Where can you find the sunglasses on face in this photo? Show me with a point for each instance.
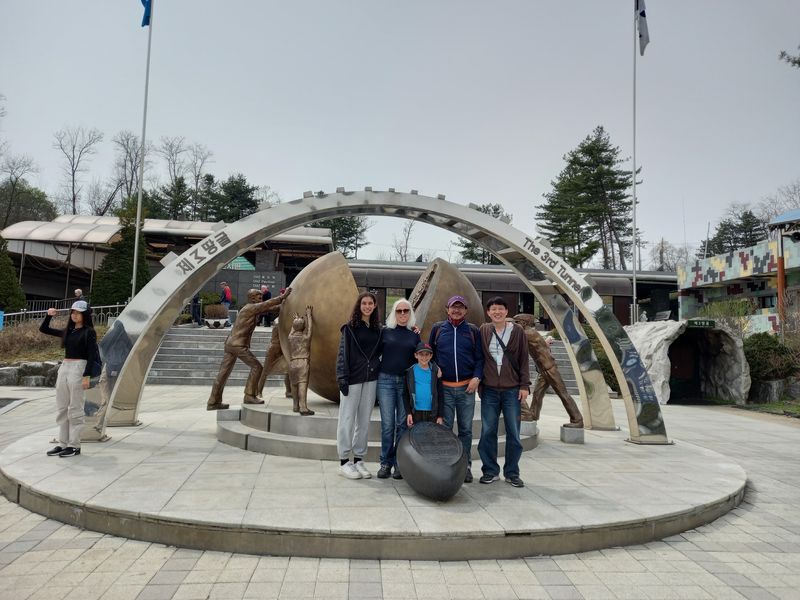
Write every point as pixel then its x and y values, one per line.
pixel 402 311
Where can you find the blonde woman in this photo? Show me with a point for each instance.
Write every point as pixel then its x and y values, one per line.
pixel 400 339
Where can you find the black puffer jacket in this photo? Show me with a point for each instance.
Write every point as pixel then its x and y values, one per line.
pixel 358 362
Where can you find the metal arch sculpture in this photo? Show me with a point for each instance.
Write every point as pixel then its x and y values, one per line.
pixel 152 311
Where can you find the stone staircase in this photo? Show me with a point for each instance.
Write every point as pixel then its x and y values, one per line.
pixel 192 356
pixel 280 432
pixel 562 360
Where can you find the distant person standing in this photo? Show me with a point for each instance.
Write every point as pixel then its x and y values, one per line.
pixel 457 351
pixel 225 297
pixel 266 320
pixel 78 295
pixel 197 315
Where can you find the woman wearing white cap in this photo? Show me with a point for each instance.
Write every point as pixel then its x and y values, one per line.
pixel 79 341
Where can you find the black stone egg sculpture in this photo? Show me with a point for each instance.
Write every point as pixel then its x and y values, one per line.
pixel 432 461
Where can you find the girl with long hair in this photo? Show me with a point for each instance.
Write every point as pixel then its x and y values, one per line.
pixel 357 365
pixel 79 341
pixel 400 339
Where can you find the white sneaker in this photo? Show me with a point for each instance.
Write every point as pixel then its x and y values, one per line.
pixel 362 470
pixel 349 470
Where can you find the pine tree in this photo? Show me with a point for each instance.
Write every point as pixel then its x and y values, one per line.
pixel 112 282
pixel 348 233
pixel 589 207
pixel 475 253
pixel 12 298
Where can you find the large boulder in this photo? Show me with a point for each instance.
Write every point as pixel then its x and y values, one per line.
pixel 33 369
pixel 9 375
pixel 724 371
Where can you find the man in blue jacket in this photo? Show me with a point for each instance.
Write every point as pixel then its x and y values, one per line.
pixel 457 350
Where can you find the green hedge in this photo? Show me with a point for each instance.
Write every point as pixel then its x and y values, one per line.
pixel 769 359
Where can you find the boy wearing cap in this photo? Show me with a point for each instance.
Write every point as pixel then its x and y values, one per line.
pixel 457 351
pixel 423 391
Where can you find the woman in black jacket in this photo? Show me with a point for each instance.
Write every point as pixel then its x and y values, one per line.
pixel 79 341
pixel 357 365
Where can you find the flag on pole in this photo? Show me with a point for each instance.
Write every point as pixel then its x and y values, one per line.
pixel 146 17
pixel 641 22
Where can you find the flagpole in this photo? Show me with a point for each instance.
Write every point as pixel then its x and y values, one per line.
pixel 141 154
pixel 635 310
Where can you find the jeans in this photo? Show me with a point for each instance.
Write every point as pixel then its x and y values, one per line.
pixel 493 401
pixel 393 415
pixel 458 404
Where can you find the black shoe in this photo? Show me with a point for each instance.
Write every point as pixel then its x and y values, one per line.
pixel 468 477
pixel 384 472
pixel 489 478
pixel 69 451
pixel 54 451
pixel 515 481
pixel 397 474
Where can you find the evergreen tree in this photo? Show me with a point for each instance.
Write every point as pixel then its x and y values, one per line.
pixel 589 207
pixel 231 200
pixel 26 203
pixel 348 233
pixel 475 253
pixel 112 281
pixel 12 298
pixel 174 200
pixel 740 229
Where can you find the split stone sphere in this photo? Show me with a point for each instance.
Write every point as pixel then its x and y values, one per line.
pixel 328 285
pixel 432 461
pixel 436 285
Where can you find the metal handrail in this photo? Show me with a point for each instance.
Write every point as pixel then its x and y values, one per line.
pixel 100 314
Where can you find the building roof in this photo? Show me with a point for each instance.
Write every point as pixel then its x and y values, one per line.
pixel 88 229
pixel 786 219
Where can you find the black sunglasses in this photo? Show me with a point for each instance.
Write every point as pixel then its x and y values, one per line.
pixel 402 310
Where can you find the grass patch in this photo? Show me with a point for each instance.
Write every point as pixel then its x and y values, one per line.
pixel 787 408
pixel 25 343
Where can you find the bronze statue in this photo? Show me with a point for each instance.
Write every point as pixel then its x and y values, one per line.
pixel 274 362
pixel 299 341
pixel 548 376
pixel 238 346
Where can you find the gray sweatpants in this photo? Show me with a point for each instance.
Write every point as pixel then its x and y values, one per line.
pixel 355 410
pixel 69 402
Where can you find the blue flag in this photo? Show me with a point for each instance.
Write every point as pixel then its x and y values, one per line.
pixel 146 17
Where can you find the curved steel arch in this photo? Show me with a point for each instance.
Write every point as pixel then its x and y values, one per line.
pixel 148 316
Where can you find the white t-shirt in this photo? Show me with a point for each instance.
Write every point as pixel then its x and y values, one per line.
pixel 495 349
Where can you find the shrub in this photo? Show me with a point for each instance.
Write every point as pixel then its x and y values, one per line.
pixel 769 359
pixel 216 311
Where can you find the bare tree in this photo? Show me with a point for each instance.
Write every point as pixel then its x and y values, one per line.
pixel 400 242
pixel 666 257
pixel 199 157
pixel 173 150
pixel 101 196
pixel 786 198
pixel 126 164
pixel 77 144
pixel 3 144
pixel 15 169
pixel 266 197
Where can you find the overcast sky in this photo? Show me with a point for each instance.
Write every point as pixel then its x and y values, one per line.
pixel 473 99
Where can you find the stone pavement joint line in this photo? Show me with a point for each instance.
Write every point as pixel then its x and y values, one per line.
pixel 751 552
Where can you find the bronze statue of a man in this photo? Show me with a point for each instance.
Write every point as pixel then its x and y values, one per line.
pixel 238 346
pixel 549 375
pixel 299 341
pixel 274 362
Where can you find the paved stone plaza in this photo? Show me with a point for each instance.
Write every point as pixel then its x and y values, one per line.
pixel 751 552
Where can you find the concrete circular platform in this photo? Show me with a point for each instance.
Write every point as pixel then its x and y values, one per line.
pixel 171 481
